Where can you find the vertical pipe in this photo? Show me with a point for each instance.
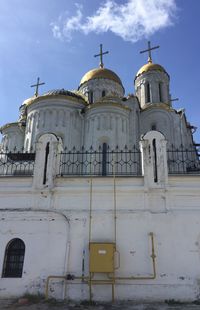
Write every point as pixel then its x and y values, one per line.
pixel 113 292
pixel 115 201
pixel 90 287
pixel 90 211
pixel 90 225
pixel 153 256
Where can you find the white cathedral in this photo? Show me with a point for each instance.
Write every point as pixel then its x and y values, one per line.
pixel 100 193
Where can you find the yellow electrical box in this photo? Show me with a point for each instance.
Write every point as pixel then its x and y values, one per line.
pixel 102 257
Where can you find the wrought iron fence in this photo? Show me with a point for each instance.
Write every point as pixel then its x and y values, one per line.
pixel 183 160
pixel 101 162
pixel 16 163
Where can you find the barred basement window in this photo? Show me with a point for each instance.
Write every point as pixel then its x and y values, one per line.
pixel 14 259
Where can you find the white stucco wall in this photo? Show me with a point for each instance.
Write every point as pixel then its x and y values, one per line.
pixel 58 116
pixel 45 236
pixel 172 214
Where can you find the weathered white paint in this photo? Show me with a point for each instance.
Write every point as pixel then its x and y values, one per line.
pixel 172 215
pixel 52 217
pixel 54 222
pixel 154 159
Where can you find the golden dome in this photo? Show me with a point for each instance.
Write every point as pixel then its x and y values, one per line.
pixel 100 73
pixel 150 67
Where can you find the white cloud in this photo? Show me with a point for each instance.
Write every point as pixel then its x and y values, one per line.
pixel 131 21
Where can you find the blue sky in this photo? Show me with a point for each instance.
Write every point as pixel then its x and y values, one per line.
pixel 56 40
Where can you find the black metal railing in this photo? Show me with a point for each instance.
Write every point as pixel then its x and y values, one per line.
pixel 16 163
pixel 183 160
pixel 101 162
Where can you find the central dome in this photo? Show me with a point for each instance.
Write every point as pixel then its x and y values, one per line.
pixel 100 73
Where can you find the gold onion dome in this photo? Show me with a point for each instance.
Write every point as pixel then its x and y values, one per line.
pixel 100 73
pixel 150 67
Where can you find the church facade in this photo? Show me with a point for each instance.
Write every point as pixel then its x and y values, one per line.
pixel 99 195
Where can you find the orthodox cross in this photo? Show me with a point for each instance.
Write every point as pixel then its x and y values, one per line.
pixel 149 49
pixel 101 56
pixel 37 86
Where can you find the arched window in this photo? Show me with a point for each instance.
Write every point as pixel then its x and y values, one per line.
pixel 160 92
pixel 103 93
pixel 14 259
pixel 90 96
pixel 148 97
pixel 153 127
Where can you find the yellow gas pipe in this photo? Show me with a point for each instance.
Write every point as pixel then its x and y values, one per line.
pixel 153 276
pixel 88 279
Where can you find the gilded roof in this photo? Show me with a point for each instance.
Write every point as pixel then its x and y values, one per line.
pixel 150 67
pixel 100 73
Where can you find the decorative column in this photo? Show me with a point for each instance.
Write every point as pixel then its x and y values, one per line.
pixel 154 159
pixel 46 161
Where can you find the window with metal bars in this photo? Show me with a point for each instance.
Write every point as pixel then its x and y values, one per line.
pixel 14 259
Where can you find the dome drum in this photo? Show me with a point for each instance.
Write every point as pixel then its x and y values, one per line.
pixel 54 115
pixel 152 85
pixel 99 83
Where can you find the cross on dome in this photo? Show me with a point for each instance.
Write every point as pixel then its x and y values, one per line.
pixel 149 49
pixel 101 55
pixel 37 86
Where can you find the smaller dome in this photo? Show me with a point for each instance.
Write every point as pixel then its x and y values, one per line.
pixel 150 67
pixel 53 93
pixel 100 73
